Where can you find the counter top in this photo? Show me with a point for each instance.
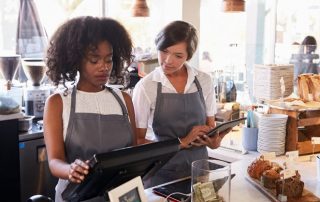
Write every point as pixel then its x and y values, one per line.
pixel 308 106
pixel 243 191
pixel 6 117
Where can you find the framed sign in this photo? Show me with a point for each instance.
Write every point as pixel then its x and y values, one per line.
pixel 131 191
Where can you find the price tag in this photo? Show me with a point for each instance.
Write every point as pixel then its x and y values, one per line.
pixel 292 154
pixel 269 155
pixel 287 173
pixel 315 140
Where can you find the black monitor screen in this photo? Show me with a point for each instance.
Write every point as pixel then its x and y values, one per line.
pixel 109 170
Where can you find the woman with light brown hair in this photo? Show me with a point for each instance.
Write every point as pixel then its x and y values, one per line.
pixel 177 101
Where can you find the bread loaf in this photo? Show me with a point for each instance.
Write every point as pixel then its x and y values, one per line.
pixel 315 87
pixel 309 87
pixel 303 87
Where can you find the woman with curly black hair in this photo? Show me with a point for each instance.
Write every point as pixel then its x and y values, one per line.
pixel 88 117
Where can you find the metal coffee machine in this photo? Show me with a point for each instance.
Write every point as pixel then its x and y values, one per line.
pixel 35 94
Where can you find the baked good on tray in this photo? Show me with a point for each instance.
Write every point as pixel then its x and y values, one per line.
pixel 276 167
pixel 269 178
pixel 257 167
pixel 293 186
pixel 303 87
pixel 309 87
pixel 315 87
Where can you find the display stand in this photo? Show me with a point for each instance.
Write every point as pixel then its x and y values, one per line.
pixel 303 123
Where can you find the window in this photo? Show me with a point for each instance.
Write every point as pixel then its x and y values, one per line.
pixel 295 20
pixel 8 25
pixel 223 43
pixel 142 29
pixel 48 10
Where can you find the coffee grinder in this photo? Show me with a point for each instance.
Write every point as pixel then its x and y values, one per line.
pixel 35 94
pixel 8 69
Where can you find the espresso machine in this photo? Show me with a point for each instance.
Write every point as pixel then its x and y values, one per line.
pixel 35 94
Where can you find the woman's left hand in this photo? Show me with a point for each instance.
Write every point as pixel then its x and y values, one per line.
pixel 212 142
pixel 78 170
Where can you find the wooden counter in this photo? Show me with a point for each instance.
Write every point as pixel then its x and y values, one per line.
pixel 303 123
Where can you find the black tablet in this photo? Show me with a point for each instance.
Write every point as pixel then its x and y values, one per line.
pixel 182 186
pixel 225 125
pixel 180 191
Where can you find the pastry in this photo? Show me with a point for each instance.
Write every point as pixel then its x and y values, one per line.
pixel 293 186
pixel 257 167
pixel 269 178
pixel 276 167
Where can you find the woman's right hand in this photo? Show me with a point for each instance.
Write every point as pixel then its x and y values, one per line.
pixel 194 134
pixel 78 170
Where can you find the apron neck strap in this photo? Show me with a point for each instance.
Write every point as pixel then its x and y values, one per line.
pixel 123 107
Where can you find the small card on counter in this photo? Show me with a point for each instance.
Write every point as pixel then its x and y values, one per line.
pixel 269 155
pixel 291 155
pixel 315 140
pixel 287 173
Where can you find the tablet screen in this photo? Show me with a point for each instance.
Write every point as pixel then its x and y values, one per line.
pixel 225 125
pixel 183 186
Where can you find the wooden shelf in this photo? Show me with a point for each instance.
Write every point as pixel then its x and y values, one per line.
pixel 308 119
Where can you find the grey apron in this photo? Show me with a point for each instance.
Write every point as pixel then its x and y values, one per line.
pixel 174 116
pixel 88 134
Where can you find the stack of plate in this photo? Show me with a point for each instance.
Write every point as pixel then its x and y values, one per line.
pixel 266 81
pixel 272 133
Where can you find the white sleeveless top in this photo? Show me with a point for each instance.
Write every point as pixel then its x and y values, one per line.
pixel 102 102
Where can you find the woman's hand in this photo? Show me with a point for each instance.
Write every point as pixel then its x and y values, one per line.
pixel 194 134
pixel 212 142
pixel 78 170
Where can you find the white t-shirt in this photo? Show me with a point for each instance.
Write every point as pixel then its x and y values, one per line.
pixel 102 102
pixel 145 92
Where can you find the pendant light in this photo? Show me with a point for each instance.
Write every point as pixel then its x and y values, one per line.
pixel 233 5
pixel 140 8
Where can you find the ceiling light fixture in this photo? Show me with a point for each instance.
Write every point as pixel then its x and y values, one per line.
pixel 233 5
pixel 140 8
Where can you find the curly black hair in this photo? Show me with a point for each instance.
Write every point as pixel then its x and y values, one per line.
pixel 70 43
